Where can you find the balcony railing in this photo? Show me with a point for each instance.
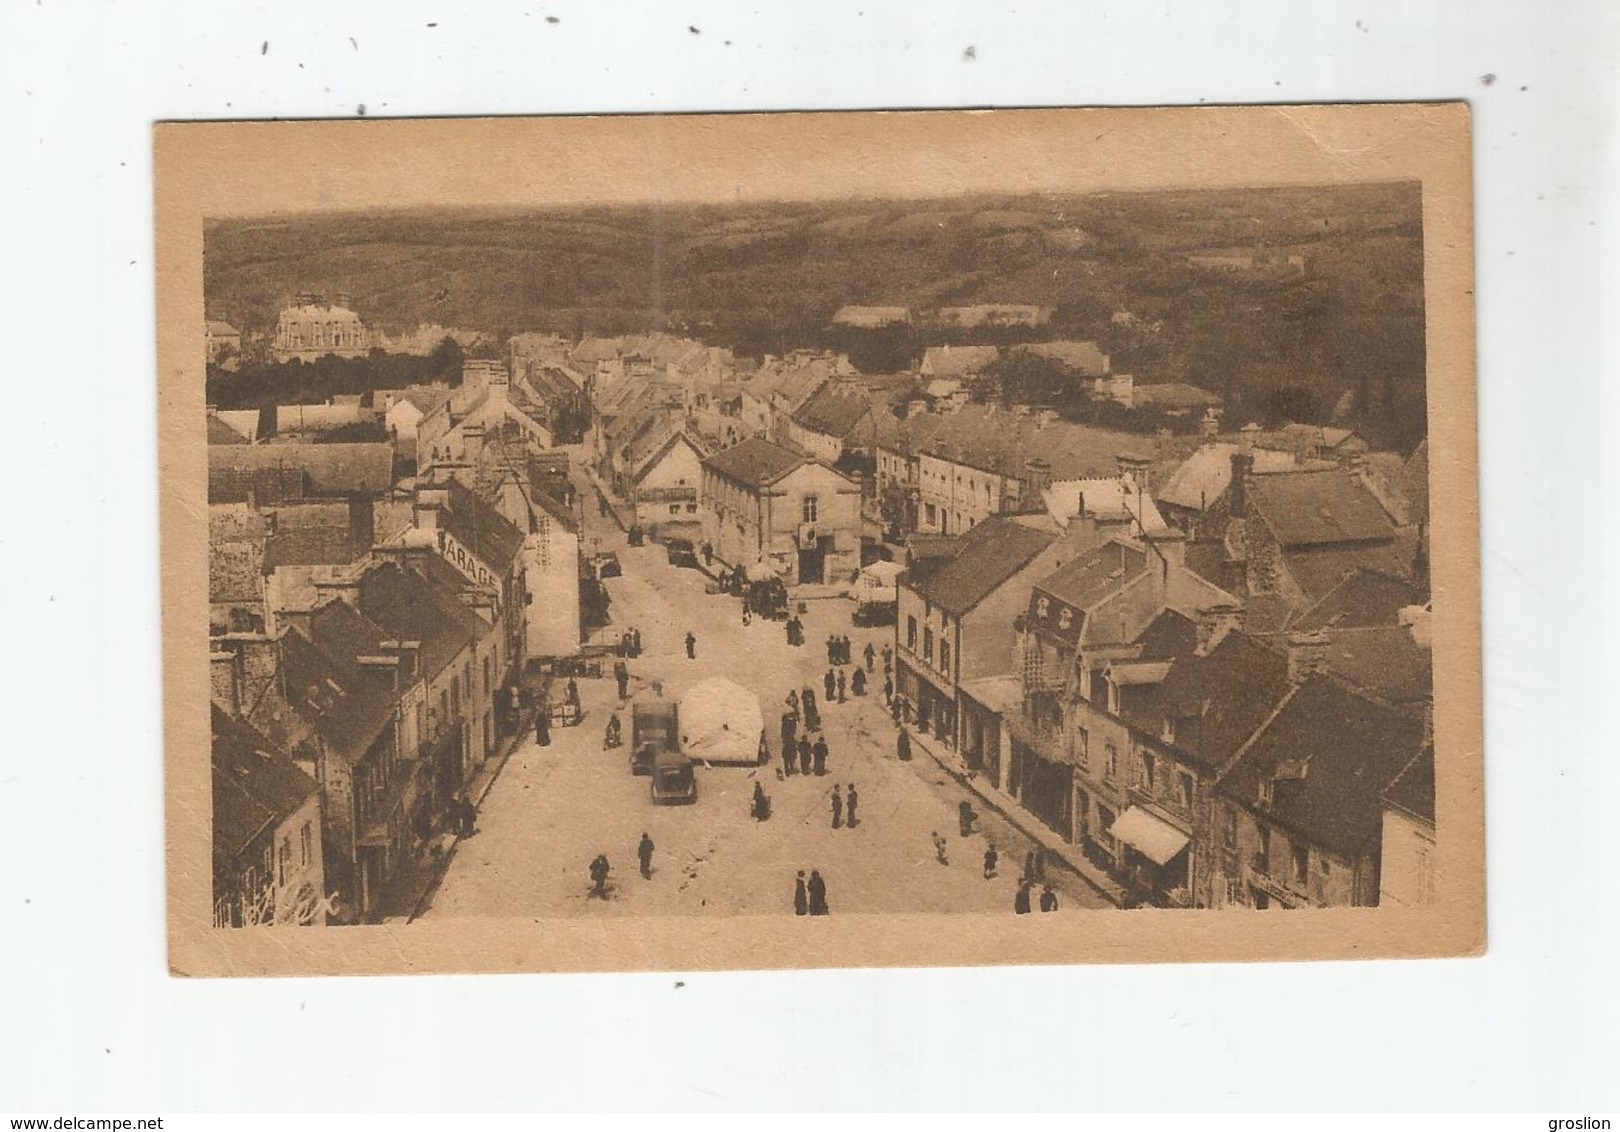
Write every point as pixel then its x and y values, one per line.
pixel 666 495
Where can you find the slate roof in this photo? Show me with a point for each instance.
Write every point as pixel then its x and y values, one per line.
pixel 347 712
pixel 1305 509
pixel 995 440
pixel 408 607
pixel 1085 358
pixel 836 410
pixel 1086 581
pixel 986 558
pixel 480 528
pixel 256 786
pixel 236 570
pixel 756 462
pixel 1318 572
pixel 221 433
pixel 309 546
pixel 1220 700
pixel 1413 788
pixel 278 472
pixel 1337 752
pixel 1365 598
pixel 1384 662
pixel 1202 478
pixel 1168 636
pixel 1173 395
pixel 871 316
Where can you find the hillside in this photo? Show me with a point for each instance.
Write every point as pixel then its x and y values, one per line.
pixel 767 278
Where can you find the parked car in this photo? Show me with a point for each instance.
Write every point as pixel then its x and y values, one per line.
pixel 681 552
pixel 674 780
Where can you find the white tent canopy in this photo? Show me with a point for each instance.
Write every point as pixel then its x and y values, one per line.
pixel 721 722
pixel 878 582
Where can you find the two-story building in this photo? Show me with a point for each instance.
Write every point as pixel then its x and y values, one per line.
pixel 1406 865
pixel 763 502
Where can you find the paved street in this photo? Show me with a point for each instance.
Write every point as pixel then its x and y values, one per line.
pixel 554 808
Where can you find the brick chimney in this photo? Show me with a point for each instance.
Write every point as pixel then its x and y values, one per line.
pixel 1307 655
pixel 1214 623
pixel 1242 468
pixel 1037 478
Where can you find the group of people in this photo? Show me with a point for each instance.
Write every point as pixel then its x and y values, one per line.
pixel 795 631
pixel 1021 902
pixel 838 650
pixel 630 643
pixel 809 896
pixel 836 686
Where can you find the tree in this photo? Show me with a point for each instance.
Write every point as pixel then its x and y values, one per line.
pixel 1030 379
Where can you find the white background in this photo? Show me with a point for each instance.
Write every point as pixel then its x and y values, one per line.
pixel 88 1018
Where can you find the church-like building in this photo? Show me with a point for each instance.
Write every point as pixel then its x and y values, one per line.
pixel 313 327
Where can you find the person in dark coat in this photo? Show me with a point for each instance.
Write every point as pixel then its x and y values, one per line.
pixel 708 553
pixel 818 894
pixel 829 684
pixel 842 685
pixel 857 683
pixel 940 849
pixel 573 692
pixel 846 651
pixel 888 660
pixel 869 655
pixel 761 808
pixel 897 709
pixel 599 874
pixel 1038 864
pixel 542 727
pixel 832 649
pixel 801 898
pixel 635 641
pixel 888 691
pixel 793 705
pixel 804 755
pixel 621 674
pixel 1021 901
pixel 644 852
pixel 837 808
pixel 990 863
pixel 1028 876
pixel 902 746
pixel 807 701
pixel 818 751
pixel 1048 899
pixel 965 817
pixel 788 728
pixel 691 646
pixel 851 800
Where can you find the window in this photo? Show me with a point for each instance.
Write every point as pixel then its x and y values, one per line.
pixel 1263 857
pixel 1043 607
pixel 674 508
pixel 928 645
pixel 811 508
pixel 1105 821
pixel 1065 618
pixel 1149 770
pixel 691 508
pixel 1083 747
pixel 1302 863
pixel 931 513
pixel 282 860
pixel 306 845
pixel 1187 786
pixel 911 633
pixel 486 676
pixel 1229 827
pixel 1110 761
pixel 945 657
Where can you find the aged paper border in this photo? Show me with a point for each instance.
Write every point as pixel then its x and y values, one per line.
pixel 254 168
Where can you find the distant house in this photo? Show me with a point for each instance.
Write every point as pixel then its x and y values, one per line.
pixel 995 315
pixel 1085 358
pixel 1407 862
pixel 313 327
pixel 274 473
pixel 836 425
pixel 659 470
pixel 223 341
pixel 268 866
pixel 959 362
pixel 871 318
pixel 764 503
pixel 1173 397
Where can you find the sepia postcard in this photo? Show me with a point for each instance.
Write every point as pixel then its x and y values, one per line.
pixel 820 540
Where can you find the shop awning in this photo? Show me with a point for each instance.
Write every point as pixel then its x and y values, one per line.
pixel 1155 839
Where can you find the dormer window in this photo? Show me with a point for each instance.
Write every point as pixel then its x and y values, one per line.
pixel 1267 791
pixel 1066 618
pixel 1043 608
pixel 1168 731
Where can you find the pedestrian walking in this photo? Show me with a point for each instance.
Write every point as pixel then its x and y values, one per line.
pixel 851 800
pixel 888 692
pixel 644 852
pixel 1048 899
pixel 818 752
pixel 888 659
pixel 837 808
pixel 990 863
pixel 635 641
pixel 807 700
pixel 832 649
pixel 804 755
pixel 897 709
pixel 857 683
pixel 542 726
pixel 599 874
pixel 829 684
pixel 573 692
pixel 801 898
pixel 965 818
pixel 940 853
pixel 842 684
pixel 761 808
pixel 870 655
pixel 691 646
pixel 788 729
pixel 708 553
pixel 793 705
pixel 621 674
pixel 1028 875
pixel 818 894
pixel 1021 901
pixel 846 651
pixel 902 745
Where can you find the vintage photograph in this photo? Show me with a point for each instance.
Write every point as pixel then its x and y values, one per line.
pixel 913 550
